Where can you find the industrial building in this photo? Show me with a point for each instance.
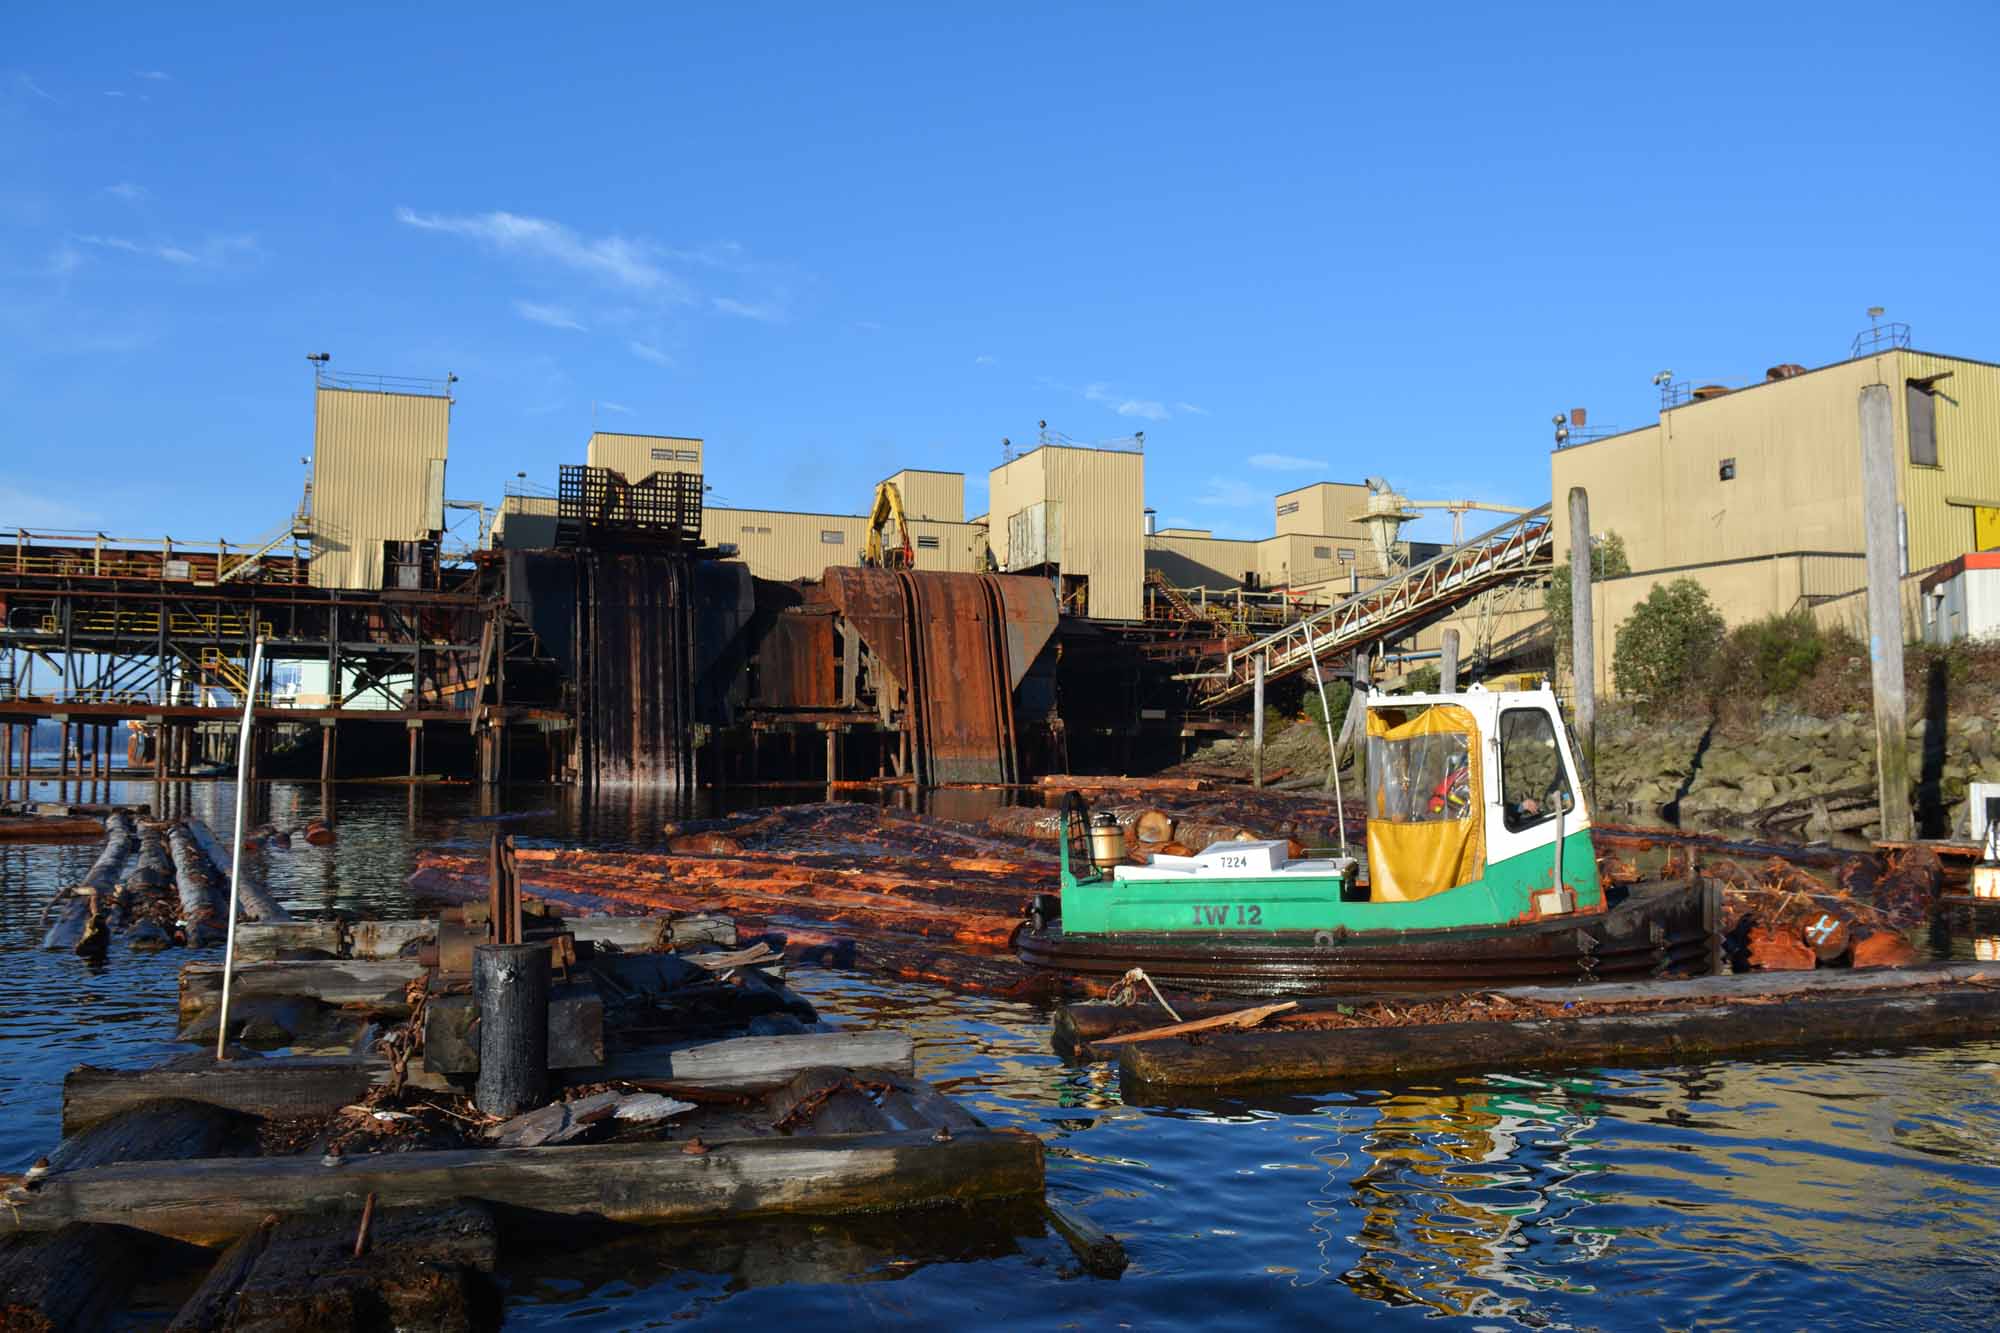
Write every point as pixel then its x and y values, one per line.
pixel 1755 492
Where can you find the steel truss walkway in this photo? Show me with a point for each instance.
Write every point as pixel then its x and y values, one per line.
pixel 1406 602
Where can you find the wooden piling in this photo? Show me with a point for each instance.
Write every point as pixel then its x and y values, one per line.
pixel 1448 663
pixel 1582 637
pixel 510 984
pixel 1885 609
pixel 1257 726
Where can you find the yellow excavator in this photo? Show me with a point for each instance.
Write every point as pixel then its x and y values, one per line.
pixel 888 507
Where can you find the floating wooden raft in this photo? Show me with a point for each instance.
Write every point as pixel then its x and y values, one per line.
pixel 1642 1023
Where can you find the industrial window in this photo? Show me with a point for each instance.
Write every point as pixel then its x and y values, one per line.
pixel 927 543
pixel 674 455
pixel 1347 554
pixel 1291 508
pixel 1322 553
pixel 1727 472
pixel 832 536
pixel 1921 402
pixel 750 529
pixel 763 532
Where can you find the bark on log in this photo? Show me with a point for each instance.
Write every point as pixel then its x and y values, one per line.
pixel 165 1129
pixel 291 1087
pixel 623 1182
pixel 1675 1036
pixel 204 897
pixel 75 1278
pixel 253 900
pixel 422 1268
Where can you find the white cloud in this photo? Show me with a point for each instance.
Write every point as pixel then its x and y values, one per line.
pixel 649 352
pixel 610 406
pixel 1144 408
pixel 109 93
pixel 554 317
pixel 982 360
pixel 867 326
pixel 1190 409
pixel 1287 463
pixel 155 74
pixel 768 311
pixel 28 85
pixel 615 260
pixel 1230 492
pixel 65 260
pixel 130 193
pixel 214 252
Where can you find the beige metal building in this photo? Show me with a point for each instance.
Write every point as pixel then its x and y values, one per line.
pixel 786 545
pixel 1078 512
pixel 1756 493
pixel 377 476
pixel 637 457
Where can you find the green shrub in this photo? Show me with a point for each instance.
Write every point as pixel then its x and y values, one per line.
pixel 1424 680
pixel 1338 692
pixel 1665 648
pixel 1771 657
pixel 1607 561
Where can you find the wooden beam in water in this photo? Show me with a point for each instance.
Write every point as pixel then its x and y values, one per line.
pixel 218 1200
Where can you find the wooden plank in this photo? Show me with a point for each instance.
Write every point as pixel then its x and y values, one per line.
pixel 263 941
pixel 336 981
pixel 758 1064
pixel 1100 1252
pixel 1235 1018
pixel 655 1182
pixel 294 1087
pixel 1960 1012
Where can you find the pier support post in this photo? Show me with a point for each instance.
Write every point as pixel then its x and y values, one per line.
pixel 1448 663
pixel 1257 726
pixel 62 763
pixel 415 730
pixel 6 761
pixel 1885 609
pixel 510 990
pixel 1582 637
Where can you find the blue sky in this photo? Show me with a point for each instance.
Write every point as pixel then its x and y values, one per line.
pixel 1286 243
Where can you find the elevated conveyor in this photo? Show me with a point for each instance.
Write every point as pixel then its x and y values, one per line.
pixel 1410 600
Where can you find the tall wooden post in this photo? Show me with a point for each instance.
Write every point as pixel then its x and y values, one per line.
pixel 510 992
pixel 1583 637
pixel 1257 725
pixel 1885 609
pixel 326 749
pixel 1448 663
pixel 6 761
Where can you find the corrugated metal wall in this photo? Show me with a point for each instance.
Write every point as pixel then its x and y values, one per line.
pixel 1103 497
pixel 784 546
pixel 640 456
pixel 932 495
pixel 1325 507
pixel 1940 501
pixel 372 456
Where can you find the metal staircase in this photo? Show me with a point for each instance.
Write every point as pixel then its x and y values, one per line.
pixel 1413 598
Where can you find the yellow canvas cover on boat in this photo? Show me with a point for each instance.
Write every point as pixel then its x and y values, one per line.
pixel 1426 832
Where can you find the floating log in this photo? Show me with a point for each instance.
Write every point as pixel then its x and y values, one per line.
pixel 1075 781
pixel 253 900
pixel 1100 1252
pixel 164 1129
pixel 1911 1005
pixel 420 1268
pixel 622 1182
pixel 75 1278
pixel 290 1087
pixel 204 897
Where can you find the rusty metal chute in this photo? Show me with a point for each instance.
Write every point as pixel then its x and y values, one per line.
pixel 947 651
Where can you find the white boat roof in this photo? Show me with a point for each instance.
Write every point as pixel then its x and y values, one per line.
pixel 1226 860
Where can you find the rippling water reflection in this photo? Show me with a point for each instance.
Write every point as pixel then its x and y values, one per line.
pixel 1853 1190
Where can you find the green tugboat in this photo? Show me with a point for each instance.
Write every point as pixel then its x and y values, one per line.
pixel 1480 872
